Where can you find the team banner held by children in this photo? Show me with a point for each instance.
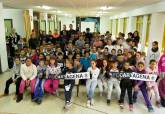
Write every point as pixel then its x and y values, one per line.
pixel 133 76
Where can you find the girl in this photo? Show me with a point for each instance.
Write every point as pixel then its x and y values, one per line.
pixel 139 58
pixel 151 84
pixel 68 83
pixel 126 85
pixel 142 86
pixel 39 89
pixel 112 81
pixel 92 82
pixel 28 73
pixel 52 71
pixel 102 81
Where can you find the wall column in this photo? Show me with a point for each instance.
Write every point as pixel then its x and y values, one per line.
pixel 3 50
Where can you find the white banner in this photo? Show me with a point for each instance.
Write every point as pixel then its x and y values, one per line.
pixel 82 75
pixel 143 77
pixel 134 76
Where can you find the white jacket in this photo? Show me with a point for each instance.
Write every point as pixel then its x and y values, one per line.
pixel 28 72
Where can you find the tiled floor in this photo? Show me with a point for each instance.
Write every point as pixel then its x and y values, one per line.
pixel 54 105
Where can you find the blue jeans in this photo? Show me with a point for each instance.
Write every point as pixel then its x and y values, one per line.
pixel 90 85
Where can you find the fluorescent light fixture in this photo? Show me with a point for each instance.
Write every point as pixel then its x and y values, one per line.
pixel 67 15
pixel 101 12
pixel 106 7
pixel 44 7
pixel 59 11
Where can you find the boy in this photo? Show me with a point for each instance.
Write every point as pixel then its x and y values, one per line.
pixel 16 78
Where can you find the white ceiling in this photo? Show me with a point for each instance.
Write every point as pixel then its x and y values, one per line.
pixel 79 7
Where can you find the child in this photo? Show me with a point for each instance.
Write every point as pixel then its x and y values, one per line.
pixel 142 86
pixel 152 84
pixel 80 42
pixel 22 56
pixel 113 55
pixel 92 82
pixel 39 89
pixel 68 83
pixel 162 91
pixel 34 56
pixel 102 81
pixel 85 61
pixel 139 58
pixel 16 78
pixel 28 73
pixel 51 83
pixel 120 60
pixel 112 81
pixel 60 60
pixel 93 55
pixel 126 85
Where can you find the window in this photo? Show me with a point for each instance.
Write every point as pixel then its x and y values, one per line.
pixel 111 25
pixel 124 25
pixel 139 25
pixel 148 30
pixel 51 24
pixel 43 25
pixel 117 21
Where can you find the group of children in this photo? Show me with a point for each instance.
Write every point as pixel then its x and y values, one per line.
pixel 39 69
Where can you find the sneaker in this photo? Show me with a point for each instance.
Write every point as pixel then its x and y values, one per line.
pixel 158 104
pixel 121 106
pixel 92 102
pixel 68 105
pixel 150 109
pixel 108 102
pixel 19 98
pixel 88 103
pixel 131 107
pixel 39 101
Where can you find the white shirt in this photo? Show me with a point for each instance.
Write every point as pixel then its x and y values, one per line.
pixel 28 72
pixel 95 73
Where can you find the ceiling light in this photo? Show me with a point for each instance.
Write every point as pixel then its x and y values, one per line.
pixel 59 11
pixel 44 7
pixel 102 12
pixel 106 8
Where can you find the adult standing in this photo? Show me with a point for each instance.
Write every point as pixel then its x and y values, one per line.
pixel 33 41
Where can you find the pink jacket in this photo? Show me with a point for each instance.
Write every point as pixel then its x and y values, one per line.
pixel 161 64
pixel 161 88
